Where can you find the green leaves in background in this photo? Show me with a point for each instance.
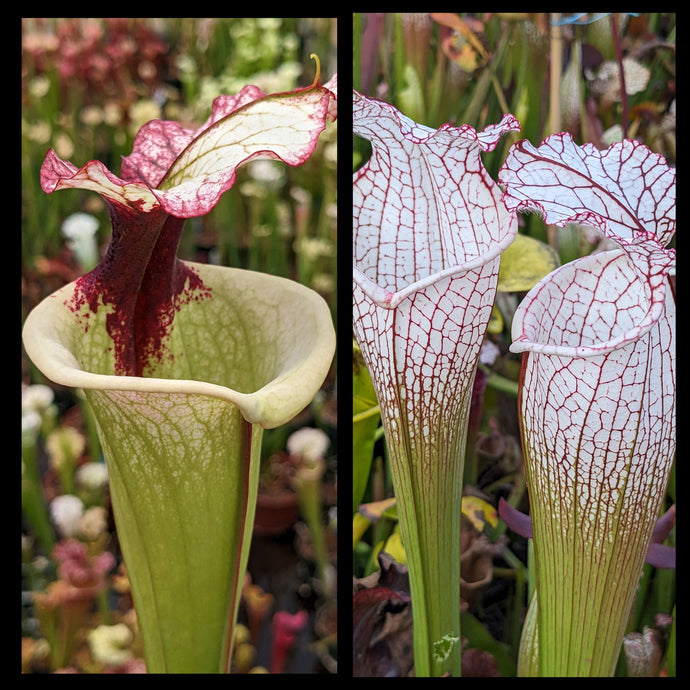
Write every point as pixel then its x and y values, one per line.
pixel 365 421
pixel 524 263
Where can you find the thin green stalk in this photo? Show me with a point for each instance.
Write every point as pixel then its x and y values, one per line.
pixel 371 412
pixel 479 96
pixel 398 55
pixel 519 571
pixel 435 90
pixel 671 648
pixel 621 72
pixel 501 383
pixel 33 500
pixel 310 505
pixel 518 608
pixel 356 50
pixel 429 513
pixel 501 50
pixel 91 427
pixel 556 53
pixel 104 607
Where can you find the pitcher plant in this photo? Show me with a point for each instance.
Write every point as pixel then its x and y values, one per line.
pixel 429 226
pixel 597 394
pixel 185 364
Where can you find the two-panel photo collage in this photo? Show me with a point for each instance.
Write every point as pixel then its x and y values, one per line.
pixel 348 345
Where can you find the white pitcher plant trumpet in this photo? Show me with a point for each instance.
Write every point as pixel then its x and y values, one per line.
pixel 598 392
pixel 429 227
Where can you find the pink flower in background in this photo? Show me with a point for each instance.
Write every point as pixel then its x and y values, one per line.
pixel 286 628
pixel 78 569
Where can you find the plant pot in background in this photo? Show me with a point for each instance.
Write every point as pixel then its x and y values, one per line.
pixel 277 505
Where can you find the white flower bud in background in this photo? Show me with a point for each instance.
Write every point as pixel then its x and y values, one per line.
pixel 31 425
pixel 65 512
pixel 109 644
pixel 37 397
pixel 268 172
pixel 38 411
pixel 64 445
pixel 489 353
pixel 309 443
pixel 93 523
pixel 92 476
pixel 91 481
pixel 79 231
pixel 639 653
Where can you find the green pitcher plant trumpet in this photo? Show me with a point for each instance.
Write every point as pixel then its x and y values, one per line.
pixel 597 395
pixel 185 364
pixel 429 226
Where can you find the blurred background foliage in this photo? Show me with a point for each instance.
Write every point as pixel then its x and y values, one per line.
pixel 555 73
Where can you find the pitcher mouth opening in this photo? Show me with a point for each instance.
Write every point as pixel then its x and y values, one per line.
pixel 281 379
pixel 597 330
pixel 390 299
